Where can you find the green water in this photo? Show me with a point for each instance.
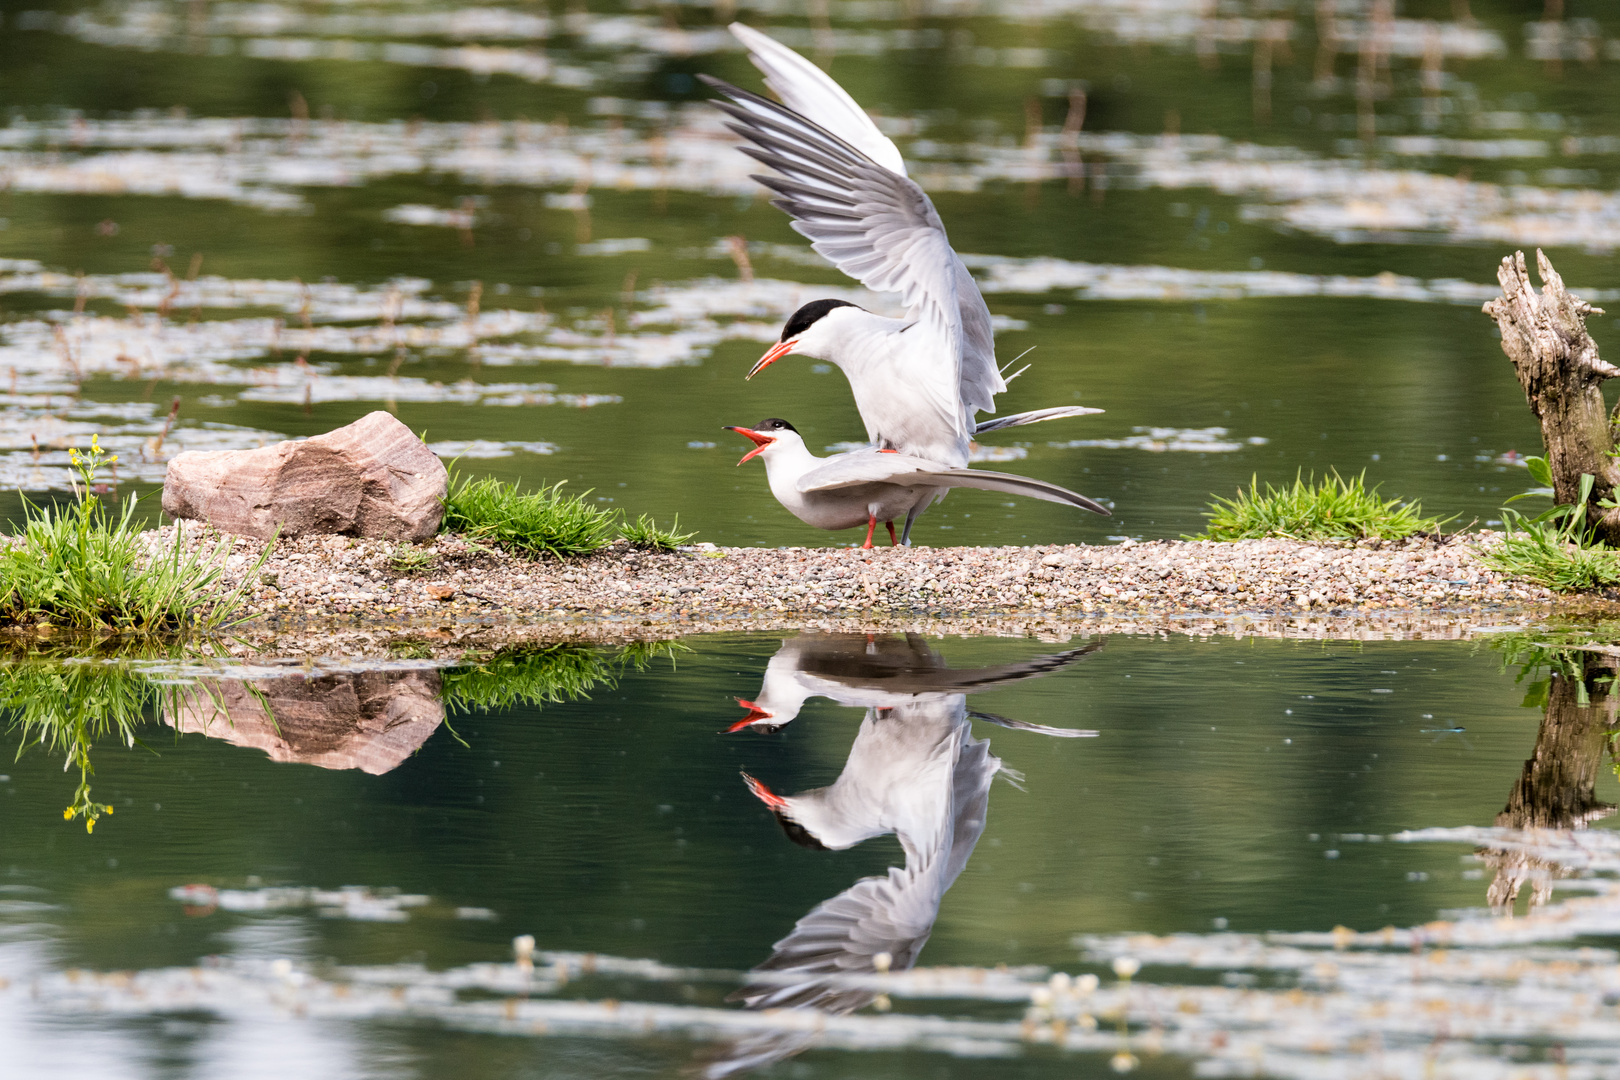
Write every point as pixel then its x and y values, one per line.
pixel 1229 785
pixel 1417 394
pixel 1232 785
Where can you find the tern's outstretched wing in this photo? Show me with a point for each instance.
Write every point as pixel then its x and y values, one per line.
pixel 864 215
pixel 808 91
pixel 892 914
pixel 866 467
pixel 1009 484
pixel 911 668
pixel 875 466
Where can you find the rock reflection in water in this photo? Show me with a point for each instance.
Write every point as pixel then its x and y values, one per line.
pixel 368 720
pixel 1556 790
pixel 914 770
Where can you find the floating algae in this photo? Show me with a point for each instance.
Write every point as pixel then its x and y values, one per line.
pixel 265 162
pixel 1442 1000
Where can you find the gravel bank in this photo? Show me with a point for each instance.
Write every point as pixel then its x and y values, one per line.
pixel 326 579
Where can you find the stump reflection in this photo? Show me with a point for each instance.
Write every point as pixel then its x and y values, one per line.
pixel 1556 790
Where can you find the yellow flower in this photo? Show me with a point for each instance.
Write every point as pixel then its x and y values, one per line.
pixel 89 824
pixel 68 813
pixel 113 460
pixel 109 811
pixel 95 444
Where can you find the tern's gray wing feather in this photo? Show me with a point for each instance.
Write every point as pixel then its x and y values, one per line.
pixel 833 654
pixel 896 673
pixel 888 467
pixel 809 91
pixel 866 467
pixel 891 914
pixel 1008 483
pixel 841 936
pixel 970 802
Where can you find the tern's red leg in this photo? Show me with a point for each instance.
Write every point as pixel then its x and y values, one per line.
pixel 892 541
pixel 871 523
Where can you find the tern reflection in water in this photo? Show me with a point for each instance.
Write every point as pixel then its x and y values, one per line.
pixel 915 770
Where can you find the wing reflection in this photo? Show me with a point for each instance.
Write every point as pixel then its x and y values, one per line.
pixel 915 770
pixel 866 670
pixel 368 720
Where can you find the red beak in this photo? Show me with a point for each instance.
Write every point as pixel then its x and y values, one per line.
pixel 755 713
pixel 760 441
pixel 772 355
pixel 763 793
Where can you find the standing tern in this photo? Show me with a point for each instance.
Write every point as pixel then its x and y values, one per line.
pixel 866 486
pixel 920 380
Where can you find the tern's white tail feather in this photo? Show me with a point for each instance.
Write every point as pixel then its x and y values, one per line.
pixel 1034 416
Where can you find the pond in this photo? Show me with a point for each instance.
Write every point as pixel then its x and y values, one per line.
pixel 523 230
pixel 321 869
pixel 1256 232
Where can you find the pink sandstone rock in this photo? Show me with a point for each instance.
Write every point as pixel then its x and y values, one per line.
pixel 371 478
pixel 370 721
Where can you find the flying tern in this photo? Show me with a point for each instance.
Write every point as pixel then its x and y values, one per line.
pixel 919 381
pixel 866 486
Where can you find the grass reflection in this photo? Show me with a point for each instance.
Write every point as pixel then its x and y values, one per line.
pixel 64 706
pixel 59 700
pixel 544 675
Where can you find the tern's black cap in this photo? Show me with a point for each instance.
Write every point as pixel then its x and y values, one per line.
pixel 809 315
pixel 775 424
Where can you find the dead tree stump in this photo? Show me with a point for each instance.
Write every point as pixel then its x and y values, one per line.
pixel 1559 369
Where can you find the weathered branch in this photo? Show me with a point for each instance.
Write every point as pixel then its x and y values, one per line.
pixel 1561 373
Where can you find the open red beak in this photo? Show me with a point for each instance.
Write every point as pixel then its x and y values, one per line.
pixel 772 355
pixel 763 793
pixel 755 714
pixel 760 441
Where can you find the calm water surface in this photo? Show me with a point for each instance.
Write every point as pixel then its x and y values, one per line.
pixel 1251 231
pixel 1239 785
pixel 1257 234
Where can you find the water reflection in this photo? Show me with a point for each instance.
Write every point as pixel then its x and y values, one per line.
pixel 1557 788
pixel 914 770
pixel 368 720
pixel 337 716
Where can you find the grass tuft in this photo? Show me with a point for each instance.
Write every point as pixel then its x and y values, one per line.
pixel 1330 509
pixel 1556 549
pixel 544 522
pixel 79 567
pixel 1539 554
pixel 644 532
pixel 410 559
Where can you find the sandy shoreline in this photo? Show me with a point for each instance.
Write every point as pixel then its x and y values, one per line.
pixel 319 591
